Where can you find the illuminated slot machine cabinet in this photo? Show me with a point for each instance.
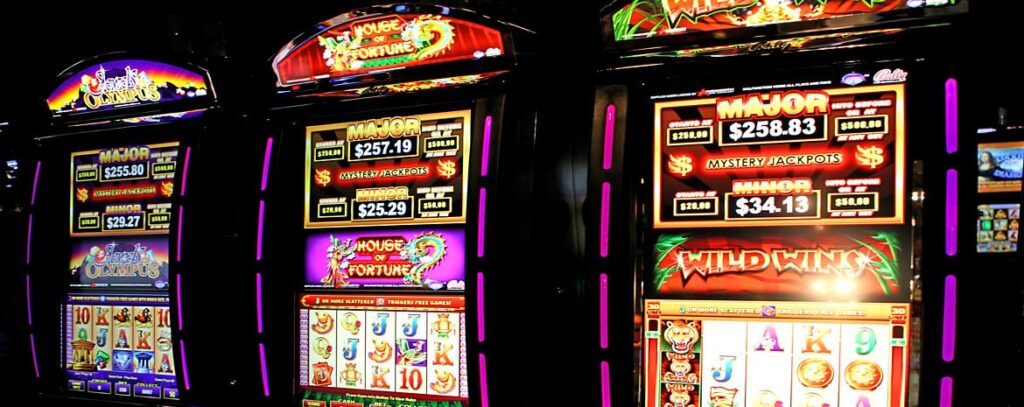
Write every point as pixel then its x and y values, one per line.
pixel 761 236
pixel 106 265
pixel 380 188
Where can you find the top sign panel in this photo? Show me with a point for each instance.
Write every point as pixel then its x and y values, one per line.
pixel 647 18
pixel 126 83
pixel 786 157
pixel 385 42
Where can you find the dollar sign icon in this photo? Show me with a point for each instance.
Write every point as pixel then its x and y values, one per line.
pixel 82 194
pixel 680 165
pixel 167 188
pixel 446 168
pixel 871 156
pixel 323 177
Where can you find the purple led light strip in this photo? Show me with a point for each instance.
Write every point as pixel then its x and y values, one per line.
pixel 184 364
pixel 28 297
pixel 952 116
pixel 946 392
pixel 35 360
pixel 266 163
pixel 606 386
pixel 949 320
pixel 184 172
pixel 603 311
pixel 486 159
pixel 480 221
pixel 28 241
pixel 480 307
pixel 259 232
pixel 35 182
pixel 259 303
pixel 177 289
pixel 484 399
pixel 181 215
pixel 951 212
pixel 263 371
pixel 606 196
pixel 609 135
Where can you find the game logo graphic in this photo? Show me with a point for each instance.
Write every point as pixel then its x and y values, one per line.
pixel 395 170
pixel 416 259
pixel 384 350
pixel 385 42
pixel 119 264
pixel 654 18
pixel 781 156
pixel 129 82
pixel 998 228
pixel 771 354
pixel 1000 167
pixel 120 345
pixel 123 190
pixel 807 263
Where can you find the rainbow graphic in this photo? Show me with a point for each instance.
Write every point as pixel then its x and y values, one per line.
pixel 126 82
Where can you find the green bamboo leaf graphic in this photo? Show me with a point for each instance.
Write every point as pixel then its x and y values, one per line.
pixel 662 248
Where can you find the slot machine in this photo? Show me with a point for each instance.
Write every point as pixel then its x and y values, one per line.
pixel 114 249
pixel 391 150
pixel 759 170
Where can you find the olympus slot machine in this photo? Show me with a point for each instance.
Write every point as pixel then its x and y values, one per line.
pixel 109 199
pixel 381 179
pixel 769 161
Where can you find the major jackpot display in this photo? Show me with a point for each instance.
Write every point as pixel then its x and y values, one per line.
pixel 388 171
pixel 383 350
pixel 780 155
pixel 123 190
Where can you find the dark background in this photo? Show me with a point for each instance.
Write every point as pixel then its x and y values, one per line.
pixel 236 42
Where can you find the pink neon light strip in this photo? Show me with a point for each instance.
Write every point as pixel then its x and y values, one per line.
pixel 184 172
pixel 609 136
pixel 946 392
pixel 952 117
pixel 606 386
pixel 259 303
pixel 184 364
pixel 263 371
pixel 949 320
pixel 480 221
pixel 484 399
pixel 28 241
pixel 266 163
pixel 606 196
pixel 181 216
pixel 603 311
pixel 35 359
pixel 177 288
pixel 486 159
pixel 259 232
pixel 480 307
pixel 35 182
pixel 28 297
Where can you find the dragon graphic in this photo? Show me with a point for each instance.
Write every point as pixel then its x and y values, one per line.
pixel 425 252
pixel 430 35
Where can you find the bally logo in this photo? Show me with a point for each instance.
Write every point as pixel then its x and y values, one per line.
pixel 890 76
